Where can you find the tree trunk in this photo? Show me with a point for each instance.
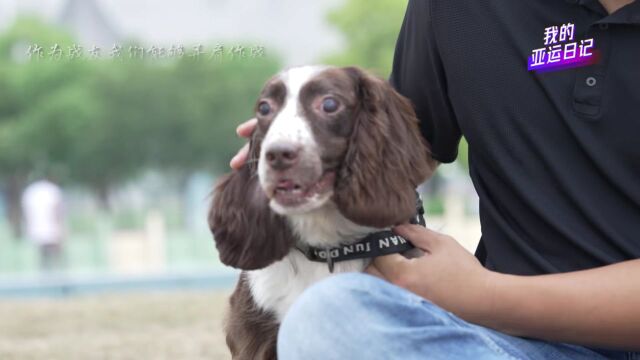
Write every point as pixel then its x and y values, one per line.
pixel 13 193
pixel 102 191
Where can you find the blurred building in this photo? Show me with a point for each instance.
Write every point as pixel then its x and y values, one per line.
pixel 306 38
pixel 88 23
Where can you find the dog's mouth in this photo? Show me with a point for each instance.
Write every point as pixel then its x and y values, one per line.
pixel 290 193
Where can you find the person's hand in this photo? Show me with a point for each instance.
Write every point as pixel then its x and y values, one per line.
pixel 244 130
pixel 447 274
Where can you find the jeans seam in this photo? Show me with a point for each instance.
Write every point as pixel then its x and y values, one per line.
pixel 483 337
pixel 491 344
pixel 497 348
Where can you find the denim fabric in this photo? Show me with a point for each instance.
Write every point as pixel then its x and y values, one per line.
pixel 357 316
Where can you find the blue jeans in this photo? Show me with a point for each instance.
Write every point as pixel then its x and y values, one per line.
pixel 358 316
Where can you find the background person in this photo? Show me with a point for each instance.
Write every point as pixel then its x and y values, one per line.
pixel 42 204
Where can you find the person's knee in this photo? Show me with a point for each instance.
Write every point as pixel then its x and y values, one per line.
pixel 327 298
pixel 355 313
pixel 319 314
pixel 351 297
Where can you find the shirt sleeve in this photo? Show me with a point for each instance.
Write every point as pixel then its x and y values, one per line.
pixel 418 74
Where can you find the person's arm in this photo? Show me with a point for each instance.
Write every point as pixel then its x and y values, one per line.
pixel 598 307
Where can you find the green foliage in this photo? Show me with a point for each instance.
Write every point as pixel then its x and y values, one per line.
pixel 25 88
pixel 463 154
pixel 435 206
pixel 97 123
pixel 370 29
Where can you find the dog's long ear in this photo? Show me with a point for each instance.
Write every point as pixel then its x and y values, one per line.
pixel 247 233
pixel 387 157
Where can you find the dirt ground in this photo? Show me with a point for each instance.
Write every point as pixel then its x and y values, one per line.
pixel 171 325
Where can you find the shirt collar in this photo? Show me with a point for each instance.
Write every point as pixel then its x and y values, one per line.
pixel 628 14
pixel 593 5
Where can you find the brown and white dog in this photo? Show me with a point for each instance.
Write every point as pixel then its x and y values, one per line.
pixel 337 155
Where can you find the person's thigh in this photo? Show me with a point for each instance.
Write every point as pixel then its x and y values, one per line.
pixel 358 316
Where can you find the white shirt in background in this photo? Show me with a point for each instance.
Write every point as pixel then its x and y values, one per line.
pixel 42 208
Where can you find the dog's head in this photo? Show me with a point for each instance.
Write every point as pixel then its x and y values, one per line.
pixel 342 135
pixel 325 136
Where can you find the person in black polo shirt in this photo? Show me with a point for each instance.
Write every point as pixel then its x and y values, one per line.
pixel 547 94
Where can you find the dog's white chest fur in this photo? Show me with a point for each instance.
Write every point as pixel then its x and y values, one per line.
pixel 277 286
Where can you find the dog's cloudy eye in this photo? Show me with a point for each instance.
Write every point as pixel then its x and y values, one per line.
pixel 264 108
pixel 329 105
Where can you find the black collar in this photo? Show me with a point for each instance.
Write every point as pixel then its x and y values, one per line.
pixel 379 243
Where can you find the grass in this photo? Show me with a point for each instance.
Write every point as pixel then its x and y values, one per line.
pixel 162 325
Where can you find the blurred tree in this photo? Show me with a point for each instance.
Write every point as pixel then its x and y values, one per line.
pixel 25 84
pixel 98 123
pixel 370 29
pixel 177 117
pixel 213 99
pixel 200 104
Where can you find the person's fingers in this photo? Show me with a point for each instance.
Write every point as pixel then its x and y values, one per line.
pixel 392 267
pixel 419 236
pixel 246 128
pixel 240 158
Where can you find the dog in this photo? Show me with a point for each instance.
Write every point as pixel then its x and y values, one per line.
pixel 335 160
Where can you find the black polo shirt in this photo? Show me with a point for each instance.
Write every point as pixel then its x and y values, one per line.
pixel 554 156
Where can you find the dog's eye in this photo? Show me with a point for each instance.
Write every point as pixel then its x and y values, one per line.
pixel 330 105
pixel 264 108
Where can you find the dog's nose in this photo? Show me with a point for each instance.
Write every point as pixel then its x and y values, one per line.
pixel 282 156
